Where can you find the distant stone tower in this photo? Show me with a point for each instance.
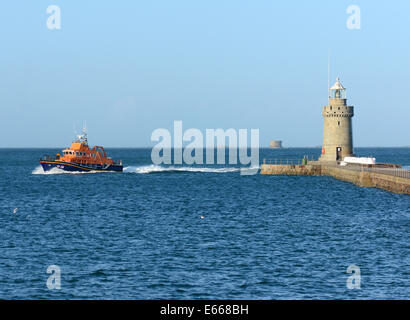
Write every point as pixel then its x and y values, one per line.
pixel 275 144
pixel 337 130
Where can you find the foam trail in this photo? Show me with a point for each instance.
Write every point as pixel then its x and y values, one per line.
pixel 147 169
pixel 155 168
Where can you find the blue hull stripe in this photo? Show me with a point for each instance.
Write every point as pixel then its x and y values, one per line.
pixel 48 165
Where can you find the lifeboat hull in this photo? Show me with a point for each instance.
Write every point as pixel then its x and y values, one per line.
pixel 75 167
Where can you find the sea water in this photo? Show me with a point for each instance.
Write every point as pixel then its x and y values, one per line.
pixel 199 232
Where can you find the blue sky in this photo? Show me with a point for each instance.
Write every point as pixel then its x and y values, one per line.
pixel 130 67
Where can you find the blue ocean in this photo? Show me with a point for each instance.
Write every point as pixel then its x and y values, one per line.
pixel 199 232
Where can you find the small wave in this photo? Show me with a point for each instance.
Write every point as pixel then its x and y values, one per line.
pixel 155 168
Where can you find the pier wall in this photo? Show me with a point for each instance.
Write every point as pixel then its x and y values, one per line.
pixel 391 183
pixel 298 170
pixel 360 178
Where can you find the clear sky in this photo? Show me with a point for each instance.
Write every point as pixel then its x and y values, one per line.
pixel 130 67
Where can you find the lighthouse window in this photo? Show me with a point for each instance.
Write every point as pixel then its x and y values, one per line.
pixel 338 123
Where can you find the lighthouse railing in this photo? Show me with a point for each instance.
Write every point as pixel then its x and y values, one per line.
pixel 390 171
pixel 396 172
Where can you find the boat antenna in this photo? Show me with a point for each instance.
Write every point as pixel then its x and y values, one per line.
pixel 84 135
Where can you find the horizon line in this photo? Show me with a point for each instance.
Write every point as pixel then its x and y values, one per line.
pixel 150 147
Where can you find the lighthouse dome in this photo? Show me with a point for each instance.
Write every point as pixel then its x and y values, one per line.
pixel 337 91
pixel 338 85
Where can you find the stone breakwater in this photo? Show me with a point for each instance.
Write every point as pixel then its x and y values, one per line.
pixel 392 181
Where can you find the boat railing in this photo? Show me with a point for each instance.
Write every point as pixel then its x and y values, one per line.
pixel 47 157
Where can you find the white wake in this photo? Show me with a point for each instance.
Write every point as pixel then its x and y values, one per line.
pixel 155 168
pixel 39 170
pixel 148 169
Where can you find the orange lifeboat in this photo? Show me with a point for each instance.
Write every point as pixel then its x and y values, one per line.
pixel 79 157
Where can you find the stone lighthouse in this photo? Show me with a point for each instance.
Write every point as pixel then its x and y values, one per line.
pixel 337 130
